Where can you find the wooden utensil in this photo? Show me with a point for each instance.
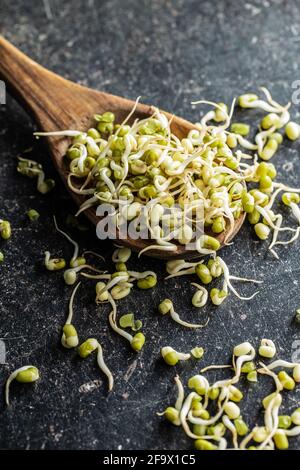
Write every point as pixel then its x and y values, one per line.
pixel 58 104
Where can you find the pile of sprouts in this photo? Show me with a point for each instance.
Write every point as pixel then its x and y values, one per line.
pixel 162 183
pixel 211 414
pixel 143 168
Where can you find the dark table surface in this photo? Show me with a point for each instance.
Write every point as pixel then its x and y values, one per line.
pixel 170 52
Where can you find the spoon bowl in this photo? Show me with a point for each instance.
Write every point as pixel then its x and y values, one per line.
pixel 57 104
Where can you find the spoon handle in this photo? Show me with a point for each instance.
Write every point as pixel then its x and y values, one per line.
pixel 47 96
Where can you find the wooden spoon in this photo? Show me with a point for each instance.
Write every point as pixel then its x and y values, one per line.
pixel 58 104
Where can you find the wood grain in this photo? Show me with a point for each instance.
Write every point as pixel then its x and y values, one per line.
pixel 56 104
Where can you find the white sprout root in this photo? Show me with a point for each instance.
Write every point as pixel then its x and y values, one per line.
pixel 229 278
pixel 175 316
pixel 104 367
pixel 75 244
pixel 70 315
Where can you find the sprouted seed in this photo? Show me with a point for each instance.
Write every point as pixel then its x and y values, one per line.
pixel 33 169
pixel 200 297
pixel 197 353
pixel 180 267
pixel 54 264
pixel 137 341
pixel 121 255
pixel 284 421
pixel 1 257
pixel 87 348
pixel 218 296
pixel 128 321
pixel 69 337
pixel 241 427
pixel 25 374
pixel 172 413
pixel 172 357
pixel 32 215
pixel 167 307
pixel 70 275
pixel 211 408
pixel 295 417
pixel 147 282
pixel 101 292
pixel 215 267
pixel 203 273
pixel 138 325
pixel 292 130
pixel 267 348
pixel 297 316
pixel 286 381
pixel 240 128
pixel 5 229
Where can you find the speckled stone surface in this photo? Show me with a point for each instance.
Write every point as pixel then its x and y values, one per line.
pixel 170 52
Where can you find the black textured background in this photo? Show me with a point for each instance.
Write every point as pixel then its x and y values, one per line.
pixel 170 52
